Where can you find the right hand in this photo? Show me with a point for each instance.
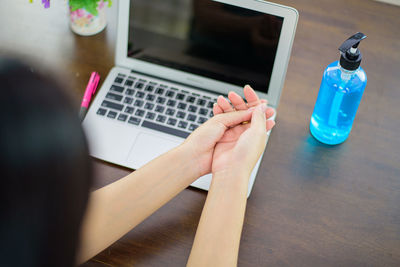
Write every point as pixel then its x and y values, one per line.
pixel 254 142
pixel 213 144
pixel 242 145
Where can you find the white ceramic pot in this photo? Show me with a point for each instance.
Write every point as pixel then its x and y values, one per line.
pixel 84 23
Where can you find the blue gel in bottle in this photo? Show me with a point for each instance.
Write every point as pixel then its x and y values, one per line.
pixel 342 87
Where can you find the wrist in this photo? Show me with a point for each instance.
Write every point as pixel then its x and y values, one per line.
pixel 186 157
pixel 232 174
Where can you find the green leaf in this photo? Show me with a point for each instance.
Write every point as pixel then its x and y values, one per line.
pixel 89 5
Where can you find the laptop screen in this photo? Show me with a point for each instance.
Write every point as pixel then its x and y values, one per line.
pixel 206 38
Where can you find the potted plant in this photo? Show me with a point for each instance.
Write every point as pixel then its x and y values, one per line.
pixel 87 17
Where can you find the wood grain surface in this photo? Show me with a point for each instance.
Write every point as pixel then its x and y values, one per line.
pixel 312 204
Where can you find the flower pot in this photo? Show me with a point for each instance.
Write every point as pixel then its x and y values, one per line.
pixel 85 23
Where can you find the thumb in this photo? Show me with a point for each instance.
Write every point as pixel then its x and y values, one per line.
pixel 258 119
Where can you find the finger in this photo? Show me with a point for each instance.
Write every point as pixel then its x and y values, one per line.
pixel 217 109
pixel 231 119
pixel 270 124
pixel 237 101
pixel 264 101
pixel 224 104
pixel 269 113
pixel 251 96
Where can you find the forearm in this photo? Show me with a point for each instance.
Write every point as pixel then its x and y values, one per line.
pixel 115 209
pixel 218 234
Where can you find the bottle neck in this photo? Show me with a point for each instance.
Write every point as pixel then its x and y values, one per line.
pixel 345 75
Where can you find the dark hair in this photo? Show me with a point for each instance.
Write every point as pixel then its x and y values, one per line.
pixel 45 170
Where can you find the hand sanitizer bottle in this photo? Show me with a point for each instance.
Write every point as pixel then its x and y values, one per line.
pixel 342 87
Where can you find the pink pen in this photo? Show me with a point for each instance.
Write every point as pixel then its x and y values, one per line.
pixel 89 92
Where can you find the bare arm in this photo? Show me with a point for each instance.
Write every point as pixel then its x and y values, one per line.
pixel 115 209
pixel 218 234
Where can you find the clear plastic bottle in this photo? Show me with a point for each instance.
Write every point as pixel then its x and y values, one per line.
pixel 342 87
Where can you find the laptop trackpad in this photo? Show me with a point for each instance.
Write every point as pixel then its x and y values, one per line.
pixel 147 147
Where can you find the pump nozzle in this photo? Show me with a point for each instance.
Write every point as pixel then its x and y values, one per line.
pixel 350 55
pixel 352 42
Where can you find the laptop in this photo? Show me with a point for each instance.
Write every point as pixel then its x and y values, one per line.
pixel 173 59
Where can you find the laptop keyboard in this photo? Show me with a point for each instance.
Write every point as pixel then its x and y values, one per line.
pixel 143 102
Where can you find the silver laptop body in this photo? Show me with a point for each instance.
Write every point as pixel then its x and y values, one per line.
pixel 173 59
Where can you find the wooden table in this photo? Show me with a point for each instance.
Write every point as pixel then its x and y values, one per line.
pixel 312 204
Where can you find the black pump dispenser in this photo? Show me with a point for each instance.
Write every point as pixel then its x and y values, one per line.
pixel 350 58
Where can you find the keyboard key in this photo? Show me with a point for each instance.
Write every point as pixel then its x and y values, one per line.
pixel 150 115
pixel 211 114
pixel 112 114
pixel 185 92
pixel 128 100
pixel 171 103
pixel 129 91
pixel 170 93
pixel 210 104
pixel 138 103
pixel 201 120
pixel 128 82
pixel 192 108
pixel 203 111
pixel 101 111
pixel 182 124
pixel 201 102
pixel 117 88
pixel 150 97
pixel 139 85
pixel 164 129
pixel 170 111
pixel 139 112
pixel 114 96
pixel 149 88
pixel 122 117
pixel 129 110
pixel 149 106
pixel 159 109
pixel 180 96
pixel 139 94
pixel 175 89
pixel 191 117
pixel 132 78
pixel 118 80
pixel 159 91
pixel 206 97
pixel 190 99
pixel 134 120
pixel 193 127
pixel 181 105
pixel 160 100
pixel 161 118
pixel 180 114
pixel 171 121
pixel 108 104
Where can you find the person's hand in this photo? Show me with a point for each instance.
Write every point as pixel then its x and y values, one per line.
pixel 238 103
pixel 224 142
